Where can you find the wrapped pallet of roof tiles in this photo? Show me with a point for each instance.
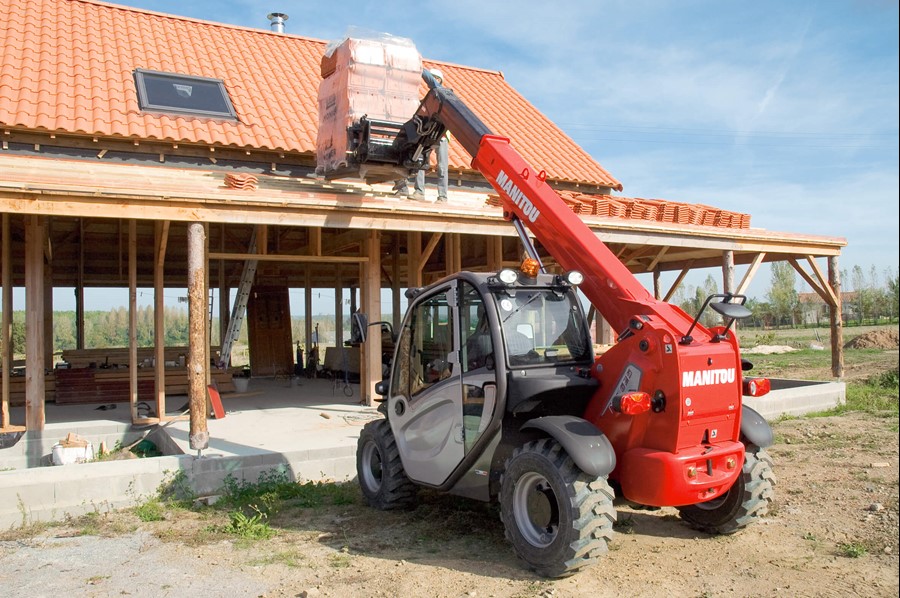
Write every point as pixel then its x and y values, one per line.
pixel 373 75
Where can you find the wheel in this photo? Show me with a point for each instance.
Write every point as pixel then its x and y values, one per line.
pixel 745 502
pixel 558 518
pixel 380 472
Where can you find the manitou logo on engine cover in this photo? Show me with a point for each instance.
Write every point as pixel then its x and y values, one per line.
pixel 529 210
pixel 707 377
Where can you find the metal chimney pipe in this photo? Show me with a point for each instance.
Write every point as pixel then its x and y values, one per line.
pixel 277 20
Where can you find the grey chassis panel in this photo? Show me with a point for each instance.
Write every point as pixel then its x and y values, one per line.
pixel 582 440
pixel 755 429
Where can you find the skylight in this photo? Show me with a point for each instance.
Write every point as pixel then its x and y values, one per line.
pixel 183 94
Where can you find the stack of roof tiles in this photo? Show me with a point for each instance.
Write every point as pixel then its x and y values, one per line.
pixel 652 210
pixel 244 182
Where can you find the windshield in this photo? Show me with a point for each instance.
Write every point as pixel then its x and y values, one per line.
pixel 542 326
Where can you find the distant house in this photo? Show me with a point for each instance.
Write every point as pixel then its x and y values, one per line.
pixel 815 312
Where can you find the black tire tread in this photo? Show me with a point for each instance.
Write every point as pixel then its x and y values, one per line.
pixel 397 491
pixel 591 499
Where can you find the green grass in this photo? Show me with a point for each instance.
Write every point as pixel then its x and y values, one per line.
pixel 852 550
pixel 152 510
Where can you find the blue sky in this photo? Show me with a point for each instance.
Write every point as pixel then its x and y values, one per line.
pixel 784 110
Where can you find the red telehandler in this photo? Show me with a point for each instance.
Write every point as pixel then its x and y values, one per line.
pixel 495 393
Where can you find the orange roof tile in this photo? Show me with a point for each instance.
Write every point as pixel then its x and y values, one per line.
pixel 70 70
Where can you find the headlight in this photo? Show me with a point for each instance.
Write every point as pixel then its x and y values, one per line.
pixel 508 276
pixel 574 277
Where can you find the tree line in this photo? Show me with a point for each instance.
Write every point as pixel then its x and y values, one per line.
pixel 874 299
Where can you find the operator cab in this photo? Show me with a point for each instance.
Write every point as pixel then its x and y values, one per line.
pixel 476 350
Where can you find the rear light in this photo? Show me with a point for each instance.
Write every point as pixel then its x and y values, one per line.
pixel 757 387
pixel 632 403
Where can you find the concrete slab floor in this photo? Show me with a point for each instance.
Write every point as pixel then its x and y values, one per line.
pixel 274 415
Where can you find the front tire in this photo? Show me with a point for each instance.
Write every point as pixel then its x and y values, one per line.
pixel 379 469
pixel 558 518
pixel 745 502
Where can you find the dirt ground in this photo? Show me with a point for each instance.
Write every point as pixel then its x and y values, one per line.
pixel 832 531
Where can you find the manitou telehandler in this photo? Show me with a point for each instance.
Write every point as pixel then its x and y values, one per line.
pixel 495 393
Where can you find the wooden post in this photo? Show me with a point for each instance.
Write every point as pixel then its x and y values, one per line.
pixel 224 294
pixel 494 252
pixel 197 368
pixel 372 303
pixel 48 301
pixel 338 308
pixel 396 316
pixel 836 317
pixel 132 318
pixel 728 271
pixel 35 238
pixel 159 316
pixel 79 290
pixel 307 310
pixel 5 322
pixel 656 291
pixel 413 255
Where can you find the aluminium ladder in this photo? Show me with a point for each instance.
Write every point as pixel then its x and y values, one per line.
pixel 240 306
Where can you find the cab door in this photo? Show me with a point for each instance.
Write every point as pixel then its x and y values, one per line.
pixel 425 403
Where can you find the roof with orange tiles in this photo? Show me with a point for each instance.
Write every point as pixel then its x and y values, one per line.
pixel 68 67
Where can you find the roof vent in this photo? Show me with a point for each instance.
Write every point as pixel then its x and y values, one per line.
pixel 277 20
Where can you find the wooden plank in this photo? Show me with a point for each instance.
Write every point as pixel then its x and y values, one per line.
pixel 677 282
pixel 832 298
pixel 299 259
pixel 810 281
pixel 749 274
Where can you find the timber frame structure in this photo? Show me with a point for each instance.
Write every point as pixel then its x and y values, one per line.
pixel 315 235
pixel 96 191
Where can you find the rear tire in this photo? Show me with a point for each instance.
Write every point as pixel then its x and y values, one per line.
pixel 558 518
pixel 745 502
pixel 379 470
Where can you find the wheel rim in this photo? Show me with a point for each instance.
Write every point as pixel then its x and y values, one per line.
pixel 536 510
pixel 371 467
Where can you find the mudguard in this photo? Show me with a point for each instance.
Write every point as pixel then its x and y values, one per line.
pixel 755 429
pixel 583 441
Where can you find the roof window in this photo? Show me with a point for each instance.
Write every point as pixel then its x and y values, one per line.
pixel 183 94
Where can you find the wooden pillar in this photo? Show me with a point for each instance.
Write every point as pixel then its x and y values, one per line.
pixel 603 332
pixel 413 257
pixel 656 291
pixel 372 306
pixel 224 293
pixel 396 316
pixel 35 238
pixel 159 315
pixel 836 319
pixel 338 307
pixel 197 368
pixel 48 302
pixel 79 289
pixel 307 310
pixel 132 318
pixel 494 253
pixel 5 321
pixel 728 271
